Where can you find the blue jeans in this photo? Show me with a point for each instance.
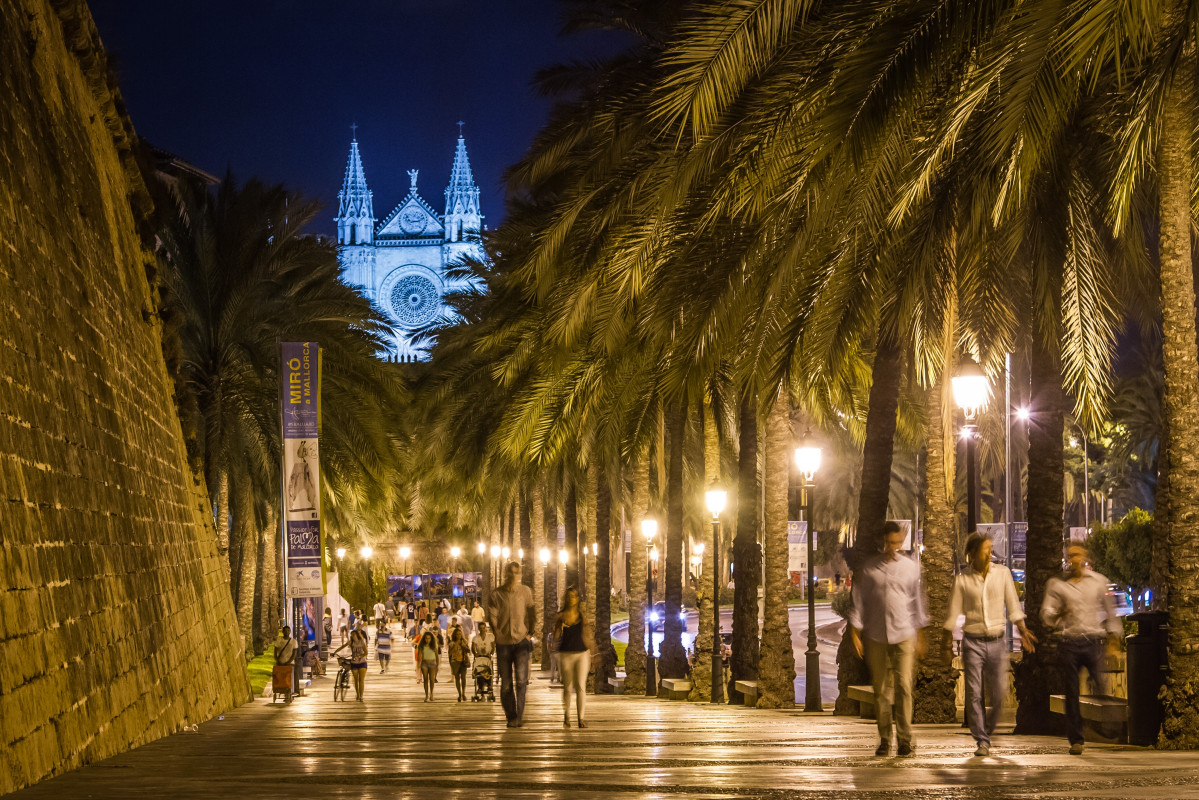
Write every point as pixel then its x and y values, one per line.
pixel 985 668
pixel 1076 653
pixel 514 677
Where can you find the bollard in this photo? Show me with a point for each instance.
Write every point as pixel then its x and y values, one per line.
pixel 1146 672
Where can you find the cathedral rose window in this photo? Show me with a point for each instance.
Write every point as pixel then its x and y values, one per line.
pixel 415 300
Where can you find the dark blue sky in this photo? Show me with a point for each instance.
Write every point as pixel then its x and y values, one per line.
pixel 270 87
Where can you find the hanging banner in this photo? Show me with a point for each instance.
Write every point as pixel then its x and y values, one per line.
pixel 797 551
pixel 301 409
pixel 1019 540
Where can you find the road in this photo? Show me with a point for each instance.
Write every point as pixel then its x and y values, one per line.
pixel 828 635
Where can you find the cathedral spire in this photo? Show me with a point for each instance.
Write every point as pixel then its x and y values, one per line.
pixel 355 209
pixel 462 215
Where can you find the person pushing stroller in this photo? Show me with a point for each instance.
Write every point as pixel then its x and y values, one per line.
pixel 483 649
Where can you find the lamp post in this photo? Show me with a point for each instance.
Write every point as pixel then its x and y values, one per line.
pixel 716 499
pixel 807 461
pixel 970 391
pixel 495 555
pixel 649 529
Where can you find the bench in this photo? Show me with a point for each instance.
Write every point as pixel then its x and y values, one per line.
pixel 749 689
pixel 617 684
pixel 865 697
pixel 1108 716
pixel 674 688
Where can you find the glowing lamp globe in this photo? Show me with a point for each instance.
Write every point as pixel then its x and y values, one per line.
pixel 341 552
pixel 716 499
pixel 455 551
pixel 495 551
pixel 971 388
pixel 482 549
pixel 405 551
pixel 807 461
pixel 506 552
pixel 544 555
pixel 563 556
pixel 649 528
pixel 367 551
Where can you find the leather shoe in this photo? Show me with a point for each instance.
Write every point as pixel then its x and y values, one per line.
pixel 905 749
pixel 883 749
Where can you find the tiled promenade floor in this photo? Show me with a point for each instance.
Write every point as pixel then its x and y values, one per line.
pixel 396 746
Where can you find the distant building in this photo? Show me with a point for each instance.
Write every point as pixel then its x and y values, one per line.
pixel 401 263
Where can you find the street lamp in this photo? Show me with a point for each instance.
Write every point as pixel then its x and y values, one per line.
pixel 367 551
pixel 455 551
pixel 807 461
pixel 970 391
pixel 1086 477
pixel 341 553
pixel 716 499
pixel 649 529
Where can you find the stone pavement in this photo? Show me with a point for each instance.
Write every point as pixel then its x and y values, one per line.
pixel 396 746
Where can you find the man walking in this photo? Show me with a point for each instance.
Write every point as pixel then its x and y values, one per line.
pixel 982 593
pixel 888 612
pixel 513 616
pixel 1079 608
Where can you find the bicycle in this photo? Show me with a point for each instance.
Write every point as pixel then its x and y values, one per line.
pixel 341 684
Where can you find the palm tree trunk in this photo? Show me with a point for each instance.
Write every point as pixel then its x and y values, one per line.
pixel 1159 565
pixel 776 673
pixel 537 521
pixel 245 531
pixel 935 683
pixel 570 516
pixel 875 495
pixel 222 512
pixel 529 560
pixel 708 471
pixel 549 589
pixel 634 657
pixel 1176 172
pixel 747 555
pixel 674 657
pixel 606 655
pixel 267 619
pixel 1036 673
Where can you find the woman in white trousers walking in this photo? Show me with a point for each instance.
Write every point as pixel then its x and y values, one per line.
pixel 576 641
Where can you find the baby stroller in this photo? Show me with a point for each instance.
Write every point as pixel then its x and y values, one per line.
pixel 482 673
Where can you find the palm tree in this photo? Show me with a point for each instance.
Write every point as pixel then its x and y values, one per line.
pixel 776 670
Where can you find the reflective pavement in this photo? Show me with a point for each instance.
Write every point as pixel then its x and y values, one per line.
pixel 394 745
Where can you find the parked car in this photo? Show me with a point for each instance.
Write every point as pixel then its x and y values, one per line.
pixel 657 616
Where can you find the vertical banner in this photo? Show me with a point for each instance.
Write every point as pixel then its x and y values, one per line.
pixel 1019 540
pixel 301 392
pixel 797 551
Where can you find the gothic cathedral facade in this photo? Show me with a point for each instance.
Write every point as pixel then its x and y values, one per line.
pixel 402 263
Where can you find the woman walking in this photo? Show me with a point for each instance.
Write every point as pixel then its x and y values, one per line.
pixel 357 645
pixel 573 633
pixel 430 662
pixel 459 660
pixel 383 646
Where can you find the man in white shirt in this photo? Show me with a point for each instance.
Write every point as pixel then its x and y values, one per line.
pixel 380 610
pixel 982 593
pixel 1079 608
pixel 888 613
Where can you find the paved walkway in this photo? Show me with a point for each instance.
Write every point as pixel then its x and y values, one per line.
pixel 396 746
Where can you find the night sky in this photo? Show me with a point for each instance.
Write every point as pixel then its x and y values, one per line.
pixel 270 87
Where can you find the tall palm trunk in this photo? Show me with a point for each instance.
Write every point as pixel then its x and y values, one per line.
pixel 570 516
pixel 222 511
pixel 606 653
pixel 537 521
pixel 247 532
pixel 707 472
pixel 528 560
pixel 549 591
pixel 935 701
pixel 634 657
pixel 267 618
pixel 743 665
pixel 674 657
pixel 878 451
pixel 1176 171
pixel 1036 673
pixel 776 672
pixel 1159 565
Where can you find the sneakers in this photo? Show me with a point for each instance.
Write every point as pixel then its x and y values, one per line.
pixel 883 749
pixel 906 748
pixel 1076 749
pixel 984 749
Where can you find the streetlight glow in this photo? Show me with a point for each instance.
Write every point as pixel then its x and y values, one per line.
pixel 545 556
pixel 506 552
pixel 341 552
pixel 807 461
pixel 699 549
pixel 520 553
pixel 649 528
pixel 971 387
pixel 716 499
pixel 495 551
pixel 563 556
pixel 482 549
pixel 653 555
pixel 405 551
pixel 455 551
pixel 367 551
pixel 1023 414
pixel 595 548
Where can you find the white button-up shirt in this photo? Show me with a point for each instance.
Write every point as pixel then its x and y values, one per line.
pixel 888 601
pixel 1081 607
pixel 983 600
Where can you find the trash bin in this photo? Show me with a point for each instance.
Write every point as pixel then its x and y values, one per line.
pixel 1146 674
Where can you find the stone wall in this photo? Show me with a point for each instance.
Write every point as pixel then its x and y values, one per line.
pixel 116 624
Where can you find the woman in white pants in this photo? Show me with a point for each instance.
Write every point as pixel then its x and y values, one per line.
pixel 573 633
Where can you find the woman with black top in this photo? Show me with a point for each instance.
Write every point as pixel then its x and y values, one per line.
pixel 459 660
pixel 573 633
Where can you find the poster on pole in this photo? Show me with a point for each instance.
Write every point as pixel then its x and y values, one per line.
pixel 997 533
pixel 300 376
pixel 1019 540
pixel 797 551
